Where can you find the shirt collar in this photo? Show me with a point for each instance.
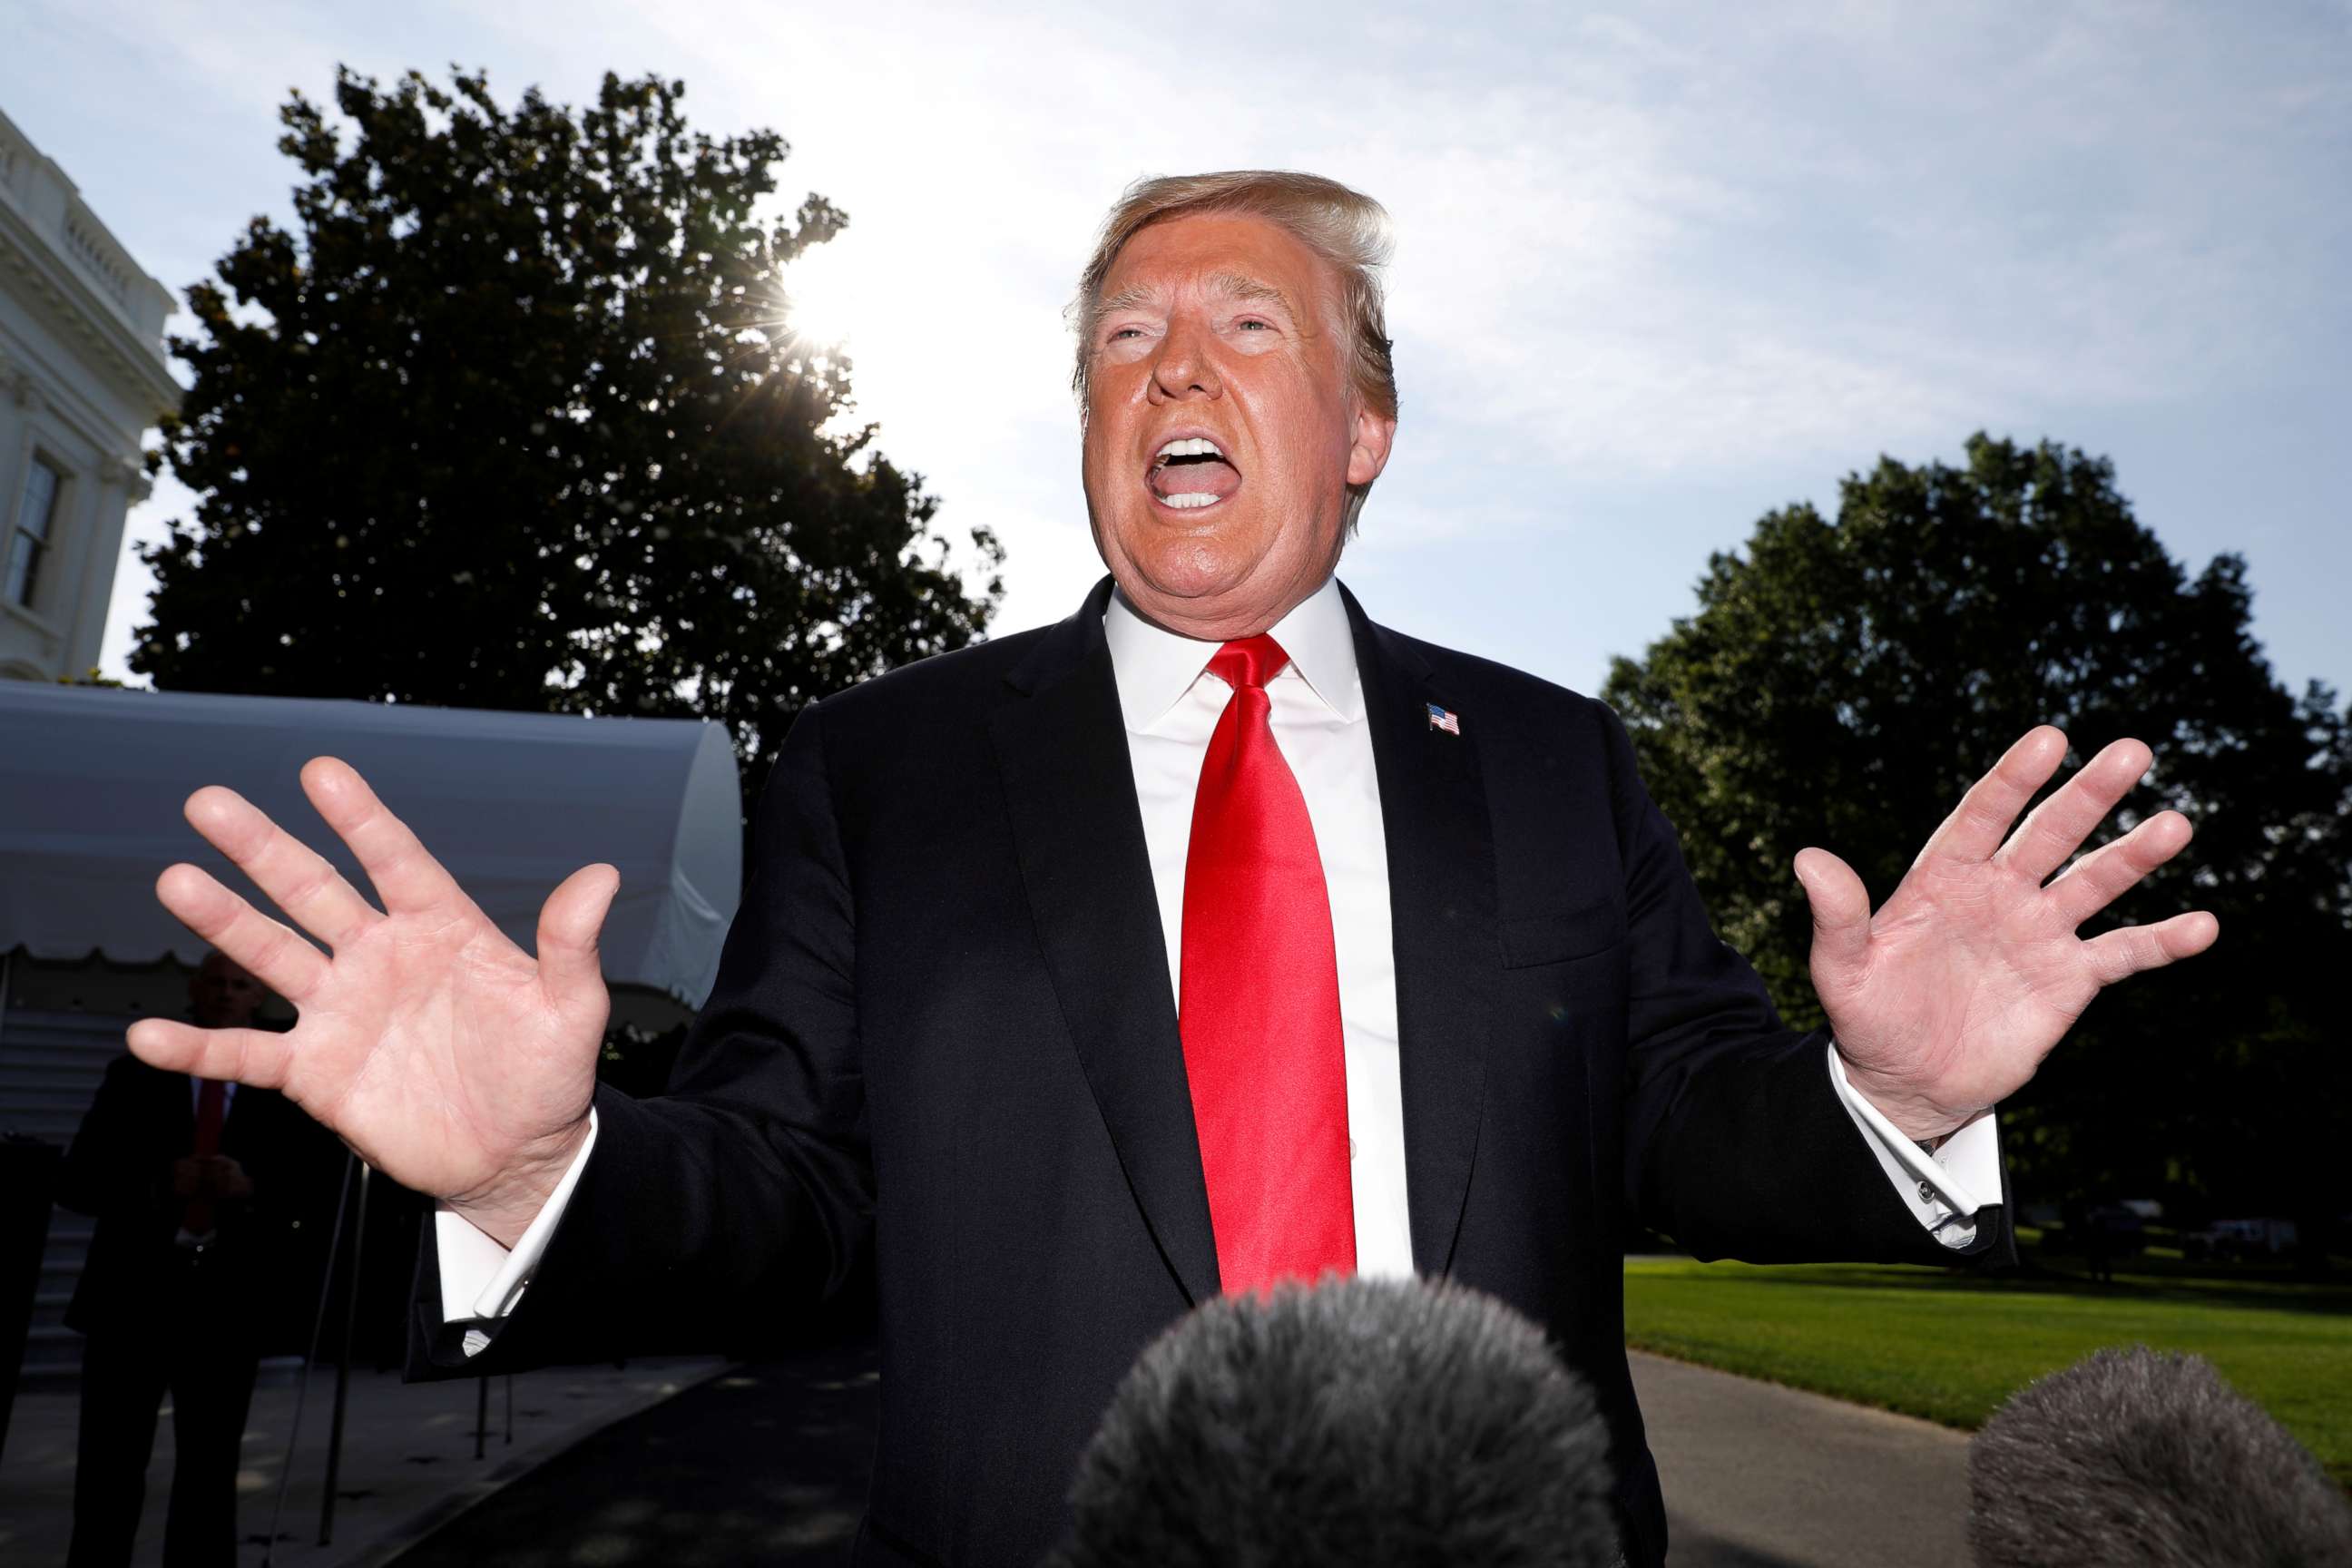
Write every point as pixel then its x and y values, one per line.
pixel 1155 666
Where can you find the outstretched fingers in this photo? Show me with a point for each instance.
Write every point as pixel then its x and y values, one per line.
pixel 298 878
pixel 253 1056
pixel 2119 954
pixel 2060 825
pixel 406 877
pixel 2105 874
pixel 270 951
pixel 1978 824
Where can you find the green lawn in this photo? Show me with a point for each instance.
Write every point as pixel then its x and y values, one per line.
pixel 1951 1346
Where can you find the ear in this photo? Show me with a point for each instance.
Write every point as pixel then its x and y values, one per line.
pixel 1369 454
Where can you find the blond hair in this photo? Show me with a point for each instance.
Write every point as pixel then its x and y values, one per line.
pixel 1346 228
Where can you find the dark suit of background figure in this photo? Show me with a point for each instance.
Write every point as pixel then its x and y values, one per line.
pixel 942 1031
pixel 158 1317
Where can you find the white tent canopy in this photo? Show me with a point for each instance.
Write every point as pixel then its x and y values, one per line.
pixel 91 782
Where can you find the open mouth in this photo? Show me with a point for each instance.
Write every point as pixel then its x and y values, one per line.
pixel 1190 473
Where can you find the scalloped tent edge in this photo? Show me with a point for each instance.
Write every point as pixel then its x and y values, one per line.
pixel 92 781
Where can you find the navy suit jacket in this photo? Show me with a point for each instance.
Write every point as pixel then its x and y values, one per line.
pixel 260 1274
pixel 942 1035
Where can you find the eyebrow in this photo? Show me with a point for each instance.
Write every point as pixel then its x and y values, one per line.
pixel 1231 285
pixel 1240 286
pixel 1126 299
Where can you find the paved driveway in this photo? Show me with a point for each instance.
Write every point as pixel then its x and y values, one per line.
pixel 1758 1475
pixel 768 1465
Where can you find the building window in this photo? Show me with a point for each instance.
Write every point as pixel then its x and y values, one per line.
pixel 36 509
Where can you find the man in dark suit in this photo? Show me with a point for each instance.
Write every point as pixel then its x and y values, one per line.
pixel 1213 937
pixel 209 1199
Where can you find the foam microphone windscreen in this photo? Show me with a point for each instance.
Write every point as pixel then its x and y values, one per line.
pixel 2132 1457
pixel 1361 1423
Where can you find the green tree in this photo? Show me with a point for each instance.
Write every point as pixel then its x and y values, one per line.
pixel 1841 683
pixel 514 417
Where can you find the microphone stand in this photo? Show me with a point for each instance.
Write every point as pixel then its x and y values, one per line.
pixel 302 1385
pixel 343 1365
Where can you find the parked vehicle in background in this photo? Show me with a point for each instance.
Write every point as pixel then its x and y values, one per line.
pixel 2231 1239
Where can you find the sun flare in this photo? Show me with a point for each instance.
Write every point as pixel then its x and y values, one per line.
pixel 827 300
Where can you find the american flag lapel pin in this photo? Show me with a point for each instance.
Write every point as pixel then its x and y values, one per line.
pixel 1440 719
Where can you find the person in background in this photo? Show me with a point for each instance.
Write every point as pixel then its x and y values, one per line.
pixel 211 1202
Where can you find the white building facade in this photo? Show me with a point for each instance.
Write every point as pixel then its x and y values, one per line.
pixel 83 376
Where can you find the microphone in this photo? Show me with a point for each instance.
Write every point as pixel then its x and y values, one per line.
pixel 2132 1457
pixel 1358 1423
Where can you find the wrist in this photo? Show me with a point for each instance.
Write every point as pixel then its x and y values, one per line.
pixel 1915 1114
pixel 503 1207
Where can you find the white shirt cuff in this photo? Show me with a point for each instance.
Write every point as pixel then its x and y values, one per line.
pixel 1940 1188
pixel 479 1279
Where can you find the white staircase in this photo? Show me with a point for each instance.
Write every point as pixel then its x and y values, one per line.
pixel 50 1065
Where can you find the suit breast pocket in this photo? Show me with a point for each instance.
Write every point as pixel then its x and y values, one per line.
pixel 1530 940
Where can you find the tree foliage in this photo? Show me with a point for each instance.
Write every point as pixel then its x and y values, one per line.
pixel 1843 683
pixel 513 417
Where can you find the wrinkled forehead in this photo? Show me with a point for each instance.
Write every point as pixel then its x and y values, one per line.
pixel 1226 257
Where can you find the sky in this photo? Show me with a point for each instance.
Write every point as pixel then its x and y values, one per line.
pixel 1659 269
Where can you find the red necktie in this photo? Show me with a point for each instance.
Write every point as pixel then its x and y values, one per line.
pixel 1260 1009
pixel 212 1106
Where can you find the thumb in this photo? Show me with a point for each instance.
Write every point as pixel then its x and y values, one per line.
pixel 569 923
pixel 1841 906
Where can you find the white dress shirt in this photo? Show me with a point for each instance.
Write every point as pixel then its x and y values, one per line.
pixel 1171 704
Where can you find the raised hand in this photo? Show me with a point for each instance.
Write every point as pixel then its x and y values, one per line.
pixel 448 1057
pixel 1945 1002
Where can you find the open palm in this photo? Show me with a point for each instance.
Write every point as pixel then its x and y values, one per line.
pixel 448 1057
pixel 1946 1000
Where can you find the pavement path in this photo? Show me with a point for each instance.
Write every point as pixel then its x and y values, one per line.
pixel 1758 1475
pixel 766 1464
pixel 408 1459
pixel 693 1465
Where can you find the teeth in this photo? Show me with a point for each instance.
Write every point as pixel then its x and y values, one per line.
pixel 1190 499
pixel 1197 447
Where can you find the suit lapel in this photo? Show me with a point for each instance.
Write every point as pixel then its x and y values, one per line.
pixel 1062 752
pixel 1441 905
pixel 174 1097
